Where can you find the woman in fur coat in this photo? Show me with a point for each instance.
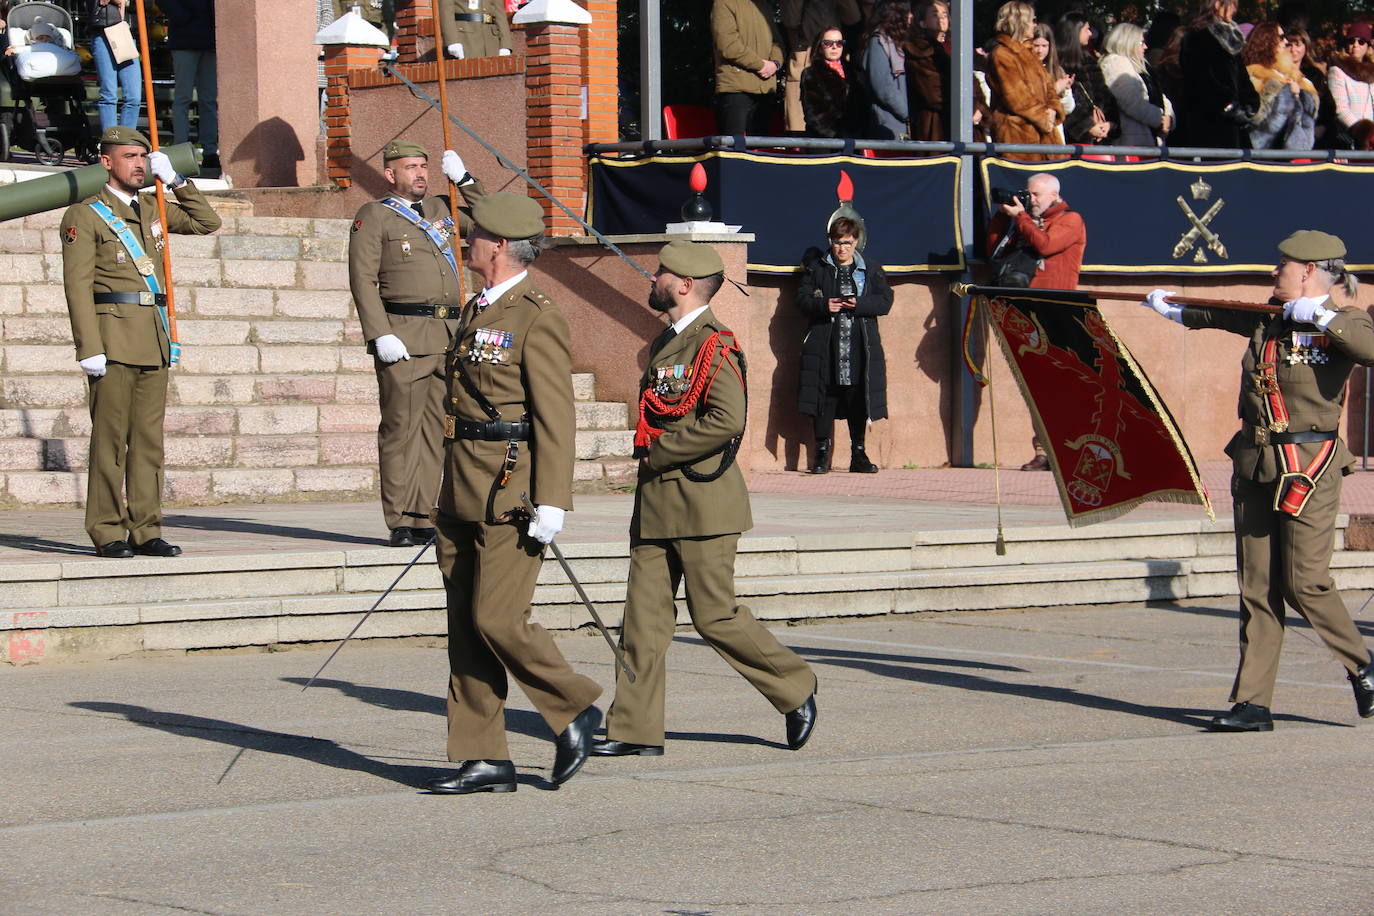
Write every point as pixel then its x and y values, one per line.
pixel 828 94
pixel 1350 77
pixel 927 71
pixel 1146 112
pixel 1219 102
pixel 1025 106
pixel 1287 114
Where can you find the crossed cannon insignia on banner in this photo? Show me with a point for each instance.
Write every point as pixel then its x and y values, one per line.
pixel 1201 190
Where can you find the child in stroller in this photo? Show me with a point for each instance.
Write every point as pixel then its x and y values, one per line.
pixel 42 97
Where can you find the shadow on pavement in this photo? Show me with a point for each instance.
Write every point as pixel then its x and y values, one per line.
pixel 1290 621
pixel 43 545
pixel 217 523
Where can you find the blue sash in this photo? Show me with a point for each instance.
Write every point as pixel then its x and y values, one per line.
pixel 431 230
pixel 143 263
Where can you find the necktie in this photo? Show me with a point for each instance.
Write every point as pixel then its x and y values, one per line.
pixel 138 214
pixel 475 308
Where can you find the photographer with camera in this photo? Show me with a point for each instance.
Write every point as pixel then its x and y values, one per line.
pixel 1036 242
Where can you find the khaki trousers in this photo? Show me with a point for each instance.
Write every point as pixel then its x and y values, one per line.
pixel 708 565
pixel 1281 558
pixel 410 437
pixel 793 117
pixel 127 404
pixel 489 574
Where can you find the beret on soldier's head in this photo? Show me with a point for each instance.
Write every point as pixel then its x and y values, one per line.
pixel 1312 245
pixel 402 149
pixel 691 259
pixel 124 136
pixel 509 216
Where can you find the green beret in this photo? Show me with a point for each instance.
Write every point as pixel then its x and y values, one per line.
pixel 690 259
pixel 124 136
pixel 509 216
pixel 401 149
pixel 1311 245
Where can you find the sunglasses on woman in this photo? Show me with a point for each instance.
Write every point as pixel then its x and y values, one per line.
pixel 832 43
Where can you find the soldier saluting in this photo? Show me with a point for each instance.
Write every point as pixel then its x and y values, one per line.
pixel 116 297
pixel 403 273
pixel 1287 464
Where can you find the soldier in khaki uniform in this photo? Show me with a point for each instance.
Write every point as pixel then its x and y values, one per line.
pixel 404 280
pixel 510 431
pixel 690 507
pixel 1288 460
pixel 474 28
pixel 118 325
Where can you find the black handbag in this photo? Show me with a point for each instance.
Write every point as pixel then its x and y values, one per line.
pixel 1016 269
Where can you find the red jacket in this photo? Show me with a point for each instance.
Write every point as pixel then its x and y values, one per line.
pixel 1058 237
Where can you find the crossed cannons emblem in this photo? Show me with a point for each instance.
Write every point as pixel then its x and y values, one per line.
pixel 1199 229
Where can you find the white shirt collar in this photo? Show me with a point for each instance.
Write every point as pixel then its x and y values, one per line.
pixel 681 324
pixel 496 292
pixel 126 199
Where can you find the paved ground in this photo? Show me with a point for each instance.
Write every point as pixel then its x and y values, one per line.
pixel 1049 761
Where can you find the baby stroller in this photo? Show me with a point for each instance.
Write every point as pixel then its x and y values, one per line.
pixel 39 112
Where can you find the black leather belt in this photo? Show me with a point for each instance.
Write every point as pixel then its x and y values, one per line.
pixel 473 17
pixel 486 430
pixel 422 311
pixel 1263 436
pixel 143 298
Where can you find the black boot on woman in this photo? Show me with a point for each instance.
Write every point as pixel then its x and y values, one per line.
pixel 822 463
pixel 858 461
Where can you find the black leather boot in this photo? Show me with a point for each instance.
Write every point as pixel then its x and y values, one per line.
pixel 822 462
pixel 1363 683
pixel 858 461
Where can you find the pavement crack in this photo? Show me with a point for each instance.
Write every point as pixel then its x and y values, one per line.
pixel 153 903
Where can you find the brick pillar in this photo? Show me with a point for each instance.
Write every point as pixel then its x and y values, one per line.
pixel 600 63
pixel 414 30
pixel 338 141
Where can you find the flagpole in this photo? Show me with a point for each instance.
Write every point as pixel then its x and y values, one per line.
pixel 969 289
pixel 457 244
pixel 144 56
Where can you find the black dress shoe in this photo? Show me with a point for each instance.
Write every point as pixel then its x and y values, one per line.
pixel 476 776
pixel 157 547
pixel 115 550
pixel 403 537
pixel 822 462
pixel 1362 682
pixel 1038 463
pixel 609 748
pixel 859 463
pixel 1244 717
pixel 573 745
pixel 421 535
pixel 800 722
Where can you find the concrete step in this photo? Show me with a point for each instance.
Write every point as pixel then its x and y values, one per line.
pixel 99 608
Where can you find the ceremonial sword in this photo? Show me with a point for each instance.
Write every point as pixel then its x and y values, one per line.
pixel 596 618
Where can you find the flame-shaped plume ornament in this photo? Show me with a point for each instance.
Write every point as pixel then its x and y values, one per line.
pixel 845 192
pixel 697 208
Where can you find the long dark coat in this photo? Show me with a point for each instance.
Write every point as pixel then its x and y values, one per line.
pixel 1215 77
pixel 830 103
pixel 927 86
pixel 817 286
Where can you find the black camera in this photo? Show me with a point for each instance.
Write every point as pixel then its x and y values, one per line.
pixel 1002 196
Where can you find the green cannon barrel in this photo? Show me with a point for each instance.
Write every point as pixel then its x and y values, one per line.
pixel 62 189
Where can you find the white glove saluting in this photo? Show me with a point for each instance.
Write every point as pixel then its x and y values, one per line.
pixel 547 522
pixel 390 349
pixel 1309 311
pixel 454 170
pixel 94 366
pixel 455 50
pixel 1158 299
pixel 161 167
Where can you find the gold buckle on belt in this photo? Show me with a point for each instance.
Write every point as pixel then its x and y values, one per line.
pixel 450 426
pixel 147 298
pixel 441 311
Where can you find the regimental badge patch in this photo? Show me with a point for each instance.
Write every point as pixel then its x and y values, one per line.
pixel 357 224
pixel 70 234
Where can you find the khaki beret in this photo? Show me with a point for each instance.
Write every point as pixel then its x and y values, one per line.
pixel 509 216
pixel 402 149
pixel 124 136
pixel 690 259
pixel 1311 245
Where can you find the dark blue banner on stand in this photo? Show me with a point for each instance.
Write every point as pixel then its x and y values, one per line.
pixel 908 205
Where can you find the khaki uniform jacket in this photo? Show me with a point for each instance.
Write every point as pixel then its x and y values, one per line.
pixel 532 379
pixel 392 259
pixel 479 39
pixel 94 260
pixel 1314 394
pixel 744 37
pixel 667 504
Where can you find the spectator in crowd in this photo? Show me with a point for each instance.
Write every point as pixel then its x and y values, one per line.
pixel 748 53
pixel 115 78
pixel 1042 43
pixel 1350 76
pixel 802 23
pixel 191 38
pixel 1218 101
pixel 1310 65
pixel 1157 36
pixel 829 95
pixel 927 71
pixel 1287 111
pixel 1094 117
pixel 1025 106
pixel 1167 71
pixel 885 69
pixel 843 370
pixel 1146 114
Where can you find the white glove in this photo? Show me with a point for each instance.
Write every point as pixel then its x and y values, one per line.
pixel 94 366
pixel 504 52
pixel 547 522
pixel 456 50
pixel 161 167
pixel 1158 299
pixel 390 349
pixel 1309 311
pixel 454 170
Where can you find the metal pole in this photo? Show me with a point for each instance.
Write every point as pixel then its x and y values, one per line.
pixel 650 71
pixel 965 391
pixel 1365 465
